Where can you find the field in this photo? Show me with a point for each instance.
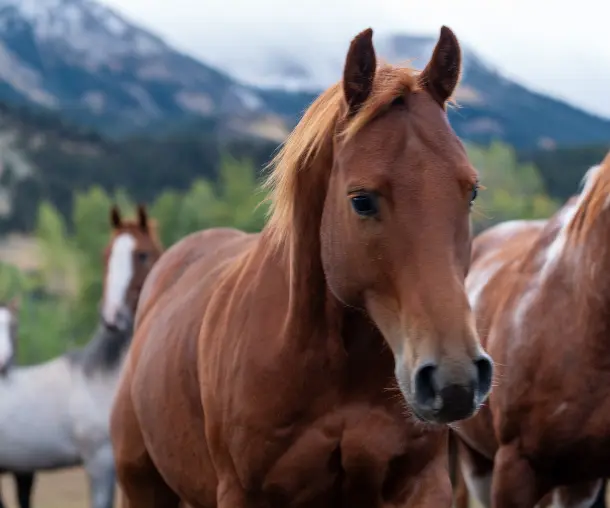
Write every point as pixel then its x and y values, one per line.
pixel 60 489
pixel 67 489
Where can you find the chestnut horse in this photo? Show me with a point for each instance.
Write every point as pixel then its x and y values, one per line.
pixel 272 369
pixel 541 297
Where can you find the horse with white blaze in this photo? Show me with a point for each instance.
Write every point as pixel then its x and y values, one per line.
pixel 56 414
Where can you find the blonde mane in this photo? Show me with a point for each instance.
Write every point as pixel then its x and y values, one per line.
pixel 593 200
pixel 317 127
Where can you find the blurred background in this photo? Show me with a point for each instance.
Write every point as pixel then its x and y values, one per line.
pixel 180 104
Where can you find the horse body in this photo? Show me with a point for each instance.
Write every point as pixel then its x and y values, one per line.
pixel 540 296
pixel 36 432
pixel 273 369
pixel 352 434
pixel 68 426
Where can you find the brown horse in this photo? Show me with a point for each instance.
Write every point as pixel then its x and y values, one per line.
pixel 541 297
pixel 272 369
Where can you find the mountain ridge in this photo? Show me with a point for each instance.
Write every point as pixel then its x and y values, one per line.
pixel 96 68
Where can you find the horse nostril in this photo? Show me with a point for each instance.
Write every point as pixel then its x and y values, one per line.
pixel 484 367
pixel 425 386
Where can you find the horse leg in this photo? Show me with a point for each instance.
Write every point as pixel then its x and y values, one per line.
pixel 141 483
pixel 476 473
pixel 2 505
pixel 515 483
pixel 99 467
pixel 24 484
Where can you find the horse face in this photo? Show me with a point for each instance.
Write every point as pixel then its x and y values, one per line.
pixel 129 257
pixel 396 234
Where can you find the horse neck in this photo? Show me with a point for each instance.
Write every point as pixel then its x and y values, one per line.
pixel 105 352
pixel 585 263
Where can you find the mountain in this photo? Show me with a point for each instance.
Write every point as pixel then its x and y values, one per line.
pixel 490 105
pixel 85 60
pixel 95 68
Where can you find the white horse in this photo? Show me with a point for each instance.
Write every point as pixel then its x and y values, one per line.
pixel 8 335
pixel 56 414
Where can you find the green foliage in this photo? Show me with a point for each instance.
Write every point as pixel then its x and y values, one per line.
pixel 512 190
pixel 60 307
pixel 562 169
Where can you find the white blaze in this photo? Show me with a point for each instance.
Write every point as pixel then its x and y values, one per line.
pixel 6 345
pixel 120 272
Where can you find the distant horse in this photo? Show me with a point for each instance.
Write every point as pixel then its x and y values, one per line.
pixel 9 320
pixel 9 324
pixel 56 414
pixel 272 369
pixel 541 295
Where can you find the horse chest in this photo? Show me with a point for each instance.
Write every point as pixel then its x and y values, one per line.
pixel 346 456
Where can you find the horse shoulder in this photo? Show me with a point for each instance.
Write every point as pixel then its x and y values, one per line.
pixel 163 373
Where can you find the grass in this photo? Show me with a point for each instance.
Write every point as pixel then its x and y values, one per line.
pixel 67 488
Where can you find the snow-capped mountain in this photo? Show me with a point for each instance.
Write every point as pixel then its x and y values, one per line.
pixel 94 67
pixel 82 58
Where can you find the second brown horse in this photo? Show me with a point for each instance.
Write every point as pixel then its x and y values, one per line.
pixel 541 293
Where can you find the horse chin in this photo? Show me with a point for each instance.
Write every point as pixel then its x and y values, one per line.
pixel 437 418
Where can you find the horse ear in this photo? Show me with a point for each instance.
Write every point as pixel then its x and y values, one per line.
pixel 142 217
pixel 115 217
pixel 442 74
pixel 359 70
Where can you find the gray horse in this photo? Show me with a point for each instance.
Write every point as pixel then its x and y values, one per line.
pixel 56 414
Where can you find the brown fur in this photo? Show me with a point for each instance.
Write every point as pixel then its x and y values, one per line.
pixel 262 368
pixel 541 296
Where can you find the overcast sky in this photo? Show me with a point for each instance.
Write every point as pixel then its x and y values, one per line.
pixel 556 46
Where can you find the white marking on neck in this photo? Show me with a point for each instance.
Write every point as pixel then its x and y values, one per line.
pixel 120 272
pixel 6 344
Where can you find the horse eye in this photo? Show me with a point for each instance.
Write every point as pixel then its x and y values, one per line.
pixel 365 204
pixel 475 193
pixel 142 257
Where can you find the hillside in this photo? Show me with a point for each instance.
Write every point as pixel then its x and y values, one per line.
pixel 44 157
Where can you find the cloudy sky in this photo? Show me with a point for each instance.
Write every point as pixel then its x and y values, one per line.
pixel 560 47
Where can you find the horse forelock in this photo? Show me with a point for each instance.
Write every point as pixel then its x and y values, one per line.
pixel 316 130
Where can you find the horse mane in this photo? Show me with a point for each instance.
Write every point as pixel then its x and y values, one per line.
pixel 593 200
pixel 315 130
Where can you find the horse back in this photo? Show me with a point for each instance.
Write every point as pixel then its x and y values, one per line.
pixel 178 258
